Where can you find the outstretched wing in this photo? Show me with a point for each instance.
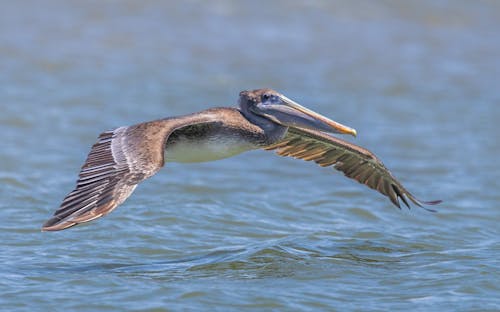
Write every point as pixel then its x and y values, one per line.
pixel 114 166
pixel 119 160
pixel 355 162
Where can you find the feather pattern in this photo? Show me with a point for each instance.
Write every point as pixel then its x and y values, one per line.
pixel 355 162
pixel 116 163
pixel 124 157
pixel 105 180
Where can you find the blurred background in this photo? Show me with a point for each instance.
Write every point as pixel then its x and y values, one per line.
pixel 419 80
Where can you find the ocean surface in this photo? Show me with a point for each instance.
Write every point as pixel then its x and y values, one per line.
pixel 419 80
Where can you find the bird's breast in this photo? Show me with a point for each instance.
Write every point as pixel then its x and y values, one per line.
pixel 189 150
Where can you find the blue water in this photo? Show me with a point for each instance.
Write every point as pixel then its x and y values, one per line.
pixel 417 79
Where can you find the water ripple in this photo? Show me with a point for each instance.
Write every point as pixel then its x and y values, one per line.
pixel 418 80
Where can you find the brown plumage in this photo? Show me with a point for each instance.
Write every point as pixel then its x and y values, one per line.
pixel 117 162
pixel 124 157
pixel 355 162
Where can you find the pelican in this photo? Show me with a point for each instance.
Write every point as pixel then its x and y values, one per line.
pixel 265 119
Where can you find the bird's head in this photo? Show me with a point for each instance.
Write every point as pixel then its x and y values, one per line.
pixel 279 109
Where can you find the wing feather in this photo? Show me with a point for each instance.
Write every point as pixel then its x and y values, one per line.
pixel 355 162
pixel 116 163
pixel 122 158
pixel 105 180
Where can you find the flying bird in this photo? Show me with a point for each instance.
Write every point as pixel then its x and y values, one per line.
pixel 265 119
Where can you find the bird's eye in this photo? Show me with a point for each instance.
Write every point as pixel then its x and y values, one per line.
pixel 269 98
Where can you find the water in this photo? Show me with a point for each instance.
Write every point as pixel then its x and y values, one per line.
pixel 418 80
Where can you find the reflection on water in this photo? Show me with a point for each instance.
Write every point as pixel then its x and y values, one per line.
pixel 417 79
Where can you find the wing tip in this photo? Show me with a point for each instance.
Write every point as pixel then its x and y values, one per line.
pixel 422 204
pixel 404 195
pixel 56 224
pixel 432 202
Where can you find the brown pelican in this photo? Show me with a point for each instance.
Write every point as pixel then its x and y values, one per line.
pixel 265 119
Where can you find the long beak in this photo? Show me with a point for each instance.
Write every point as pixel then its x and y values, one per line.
pixel 292 114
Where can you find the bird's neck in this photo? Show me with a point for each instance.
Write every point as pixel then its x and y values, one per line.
pixel 273 131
